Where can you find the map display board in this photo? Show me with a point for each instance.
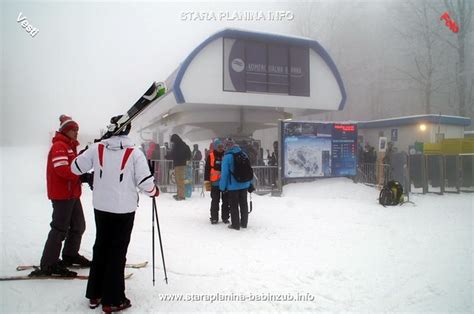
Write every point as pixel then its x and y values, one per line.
pixel 316 149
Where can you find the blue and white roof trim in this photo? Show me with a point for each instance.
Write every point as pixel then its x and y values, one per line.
pixel 409 120
pixel 267 37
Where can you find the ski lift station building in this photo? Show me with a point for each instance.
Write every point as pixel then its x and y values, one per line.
pixel 404 132
pixel 237 82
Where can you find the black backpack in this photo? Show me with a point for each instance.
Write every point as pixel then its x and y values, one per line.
pixel 243 171
pixel 391 194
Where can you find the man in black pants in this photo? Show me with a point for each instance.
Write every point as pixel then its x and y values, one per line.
pixel 237 191
pixel 64 191
pixel 212 175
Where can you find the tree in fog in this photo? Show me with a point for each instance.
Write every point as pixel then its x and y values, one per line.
pixel 425 69
pixel 417 26
pixel 461 12
pixel 316 20
pixel 341 28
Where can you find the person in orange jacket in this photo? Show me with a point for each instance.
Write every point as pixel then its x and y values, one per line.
pixel 212 175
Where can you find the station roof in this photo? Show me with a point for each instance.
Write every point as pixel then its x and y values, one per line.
pixel 176 77
pixel 416 119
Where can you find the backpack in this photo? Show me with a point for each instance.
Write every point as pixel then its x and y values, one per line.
pixel 243 171
pixel 391 194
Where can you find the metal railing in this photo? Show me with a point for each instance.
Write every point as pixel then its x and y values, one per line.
pixel 425 173
pixel 265 178
pixel 164 175
pixel 373 174
pixel 264 182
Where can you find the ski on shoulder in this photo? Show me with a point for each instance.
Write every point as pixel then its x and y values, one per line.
pixel 155 91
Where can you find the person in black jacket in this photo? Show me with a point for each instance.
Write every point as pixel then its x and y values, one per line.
pixel 197 155
pixel 212 175
pixel 180 154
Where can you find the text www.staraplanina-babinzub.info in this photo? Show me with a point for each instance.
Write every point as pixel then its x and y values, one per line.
pixel 238 297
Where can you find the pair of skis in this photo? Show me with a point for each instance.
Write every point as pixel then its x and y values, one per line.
pixel 136 266
pixel 155 91
pixel 81 277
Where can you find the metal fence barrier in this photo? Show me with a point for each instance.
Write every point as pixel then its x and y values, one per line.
pixel 373 174
pixel 265 177
pixel 422 173
pixel 442 173
pixel 164 175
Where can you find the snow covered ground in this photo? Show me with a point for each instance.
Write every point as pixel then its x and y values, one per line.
pixel 328 240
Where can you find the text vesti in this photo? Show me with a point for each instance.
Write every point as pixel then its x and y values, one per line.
pixel 26 25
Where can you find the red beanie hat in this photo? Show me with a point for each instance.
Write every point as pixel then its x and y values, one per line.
pixel 67 124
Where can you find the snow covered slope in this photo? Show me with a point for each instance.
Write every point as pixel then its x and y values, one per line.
pixel 328 240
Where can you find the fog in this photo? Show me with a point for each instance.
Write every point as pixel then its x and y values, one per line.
pixel 92 60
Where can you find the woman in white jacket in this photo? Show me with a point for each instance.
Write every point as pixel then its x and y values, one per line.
pixel 119 169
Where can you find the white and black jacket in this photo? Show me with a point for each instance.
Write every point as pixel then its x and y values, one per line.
pixel 119 169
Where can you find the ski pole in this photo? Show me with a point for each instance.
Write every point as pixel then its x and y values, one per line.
pixel 153 239
pixel 250 203
pixel 151 165
pixel 159 237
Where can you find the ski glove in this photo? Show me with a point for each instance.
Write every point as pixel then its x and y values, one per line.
pixel 251 188
pixel 155 192
pixel 207 185
pixel 88 178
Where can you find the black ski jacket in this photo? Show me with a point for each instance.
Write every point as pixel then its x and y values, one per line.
pixel 180 152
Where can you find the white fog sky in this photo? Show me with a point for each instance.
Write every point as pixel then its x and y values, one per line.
pixel 93 60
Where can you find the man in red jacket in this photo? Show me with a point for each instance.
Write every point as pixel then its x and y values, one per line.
pixel 64 191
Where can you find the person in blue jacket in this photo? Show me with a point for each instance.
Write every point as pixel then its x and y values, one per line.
pixel 237 191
